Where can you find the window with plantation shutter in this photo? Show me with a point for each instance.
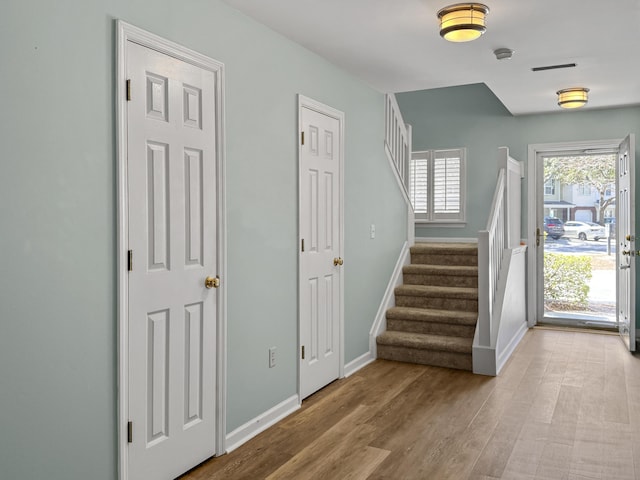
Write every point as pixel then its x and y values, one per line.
pixel 418 170
pixel 437 184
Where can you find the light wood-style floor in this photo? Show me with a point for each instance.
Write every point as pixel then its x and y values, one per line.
pixel 566 406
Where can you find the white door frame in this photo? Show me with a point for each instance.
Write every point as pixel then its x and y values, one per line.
pixel 306 102
pixel 533 198
pixel 129 33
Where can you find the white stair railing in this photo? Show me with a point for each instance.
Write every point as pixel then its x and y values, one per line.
pixel 501 273
pixel 397 139
pixel 397 145
pixel 491 245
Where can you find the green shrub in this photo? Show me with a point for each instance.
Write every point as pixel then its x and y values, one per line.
pixel 566 279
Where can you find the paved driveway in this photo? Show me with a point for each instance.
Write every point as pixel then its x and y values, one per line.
pixel 566 245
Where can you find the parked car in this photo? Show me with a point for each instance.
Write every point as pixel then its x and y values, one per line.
pixel 584 230
pixel 553 227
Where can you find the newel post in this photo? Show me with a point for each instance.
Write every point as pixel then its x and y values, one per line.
pixel 484 286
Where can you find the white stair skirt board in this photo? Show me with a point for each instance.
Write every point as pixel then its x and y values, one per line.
pixel 508 350
pixel 356 364
pixel 388 300
pixel 259 424
pixel 446 240
pixel 484 358
pixel 510 322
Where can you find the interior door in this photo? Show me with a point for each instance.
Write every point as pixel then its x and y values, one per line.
pixel 625 235
pixel 171 171
pixel 320 249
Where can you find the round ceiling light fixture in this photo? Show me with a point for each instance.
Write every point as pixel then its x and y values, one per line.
pixel 463 22
pixel 574 97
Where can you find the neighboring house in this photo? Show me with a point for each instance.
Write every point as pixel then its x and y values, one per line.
pixel 587 203
pixel 58 289
pixel 579 202
pixel 555 205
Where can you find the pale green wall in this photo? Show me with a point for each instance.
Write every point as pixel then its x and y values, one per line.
pixel 471 116
pixel 58 215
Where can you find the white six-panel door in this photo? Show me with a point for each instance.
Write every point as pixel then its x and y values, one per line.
pixel 626 240
pixel 171 172
pixel 320 248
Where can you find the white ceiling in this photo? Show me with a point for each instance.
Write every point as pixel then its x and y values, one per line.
pixel 394 46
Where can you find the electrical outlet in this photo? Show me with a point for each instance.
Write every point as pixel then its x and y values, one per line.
pixel 373 230
pixel 272 357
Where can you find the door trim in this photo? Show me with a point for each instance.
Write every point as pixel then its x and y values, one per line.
pixel 306 102
pixel 129 33
pixel 533 171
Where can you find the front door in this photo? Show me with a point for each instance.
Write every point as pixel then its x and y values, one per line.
pixel 625 236
pixel 171 189
pixel 320 219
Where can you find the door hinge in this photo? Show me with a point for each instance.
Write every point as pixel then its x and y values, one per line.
pixel 128 90
pixel 302 352
pixel 129 432
pixel 302 138
pixel 302 246
pixel 130 260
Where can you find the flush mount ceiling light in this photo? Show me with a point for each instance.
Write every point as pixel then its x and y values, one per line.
pixel 463 22
pixel 574 97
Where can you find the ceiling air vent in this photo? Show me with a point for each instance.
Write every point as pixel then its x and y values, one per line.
pixel 553 67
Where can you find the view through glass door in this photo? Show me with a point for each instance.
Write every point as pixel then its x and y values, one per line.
pixel 578 230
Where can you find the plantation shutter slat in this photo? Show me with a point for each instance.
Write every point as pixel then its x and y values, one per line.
pixel 418 181
pixel 446 185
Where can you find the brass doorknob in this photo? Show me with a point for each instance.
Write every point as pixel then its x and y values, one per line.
pixel 629 252
pixel 211 282
pixel 338 261
pixel 630 238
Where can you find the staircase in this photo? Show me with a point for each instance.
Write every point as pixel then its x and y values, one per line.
pixel 434 320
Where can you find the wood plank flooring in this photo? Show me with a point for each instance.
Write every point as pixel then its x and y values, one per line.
pixel 566 406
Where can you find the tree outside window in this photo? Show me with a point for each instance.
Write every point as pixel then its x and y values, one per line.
pixel 598 172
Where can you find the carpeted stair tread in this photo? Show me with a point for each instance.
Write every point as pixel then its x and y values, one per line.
pixel 454 270
pixel 432 315
pixel 434 320
pixel 424 341
pixel 445 248
pixel 470 293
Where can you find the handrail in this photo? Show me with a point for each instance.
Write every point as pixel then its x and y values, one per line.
pixel 491 245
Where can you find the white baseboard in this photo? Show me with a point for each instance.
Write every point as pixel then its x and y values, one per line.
pixel 447 239
pixel 505 354
pixel 388 300
pixel 253 427
pixel 360 362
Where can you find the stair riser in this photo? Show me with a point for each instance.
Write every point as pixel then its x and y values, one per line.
pixel 460 304
pixel 426 357
pixel 438 259
pixel 440 280
pixel 433 328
